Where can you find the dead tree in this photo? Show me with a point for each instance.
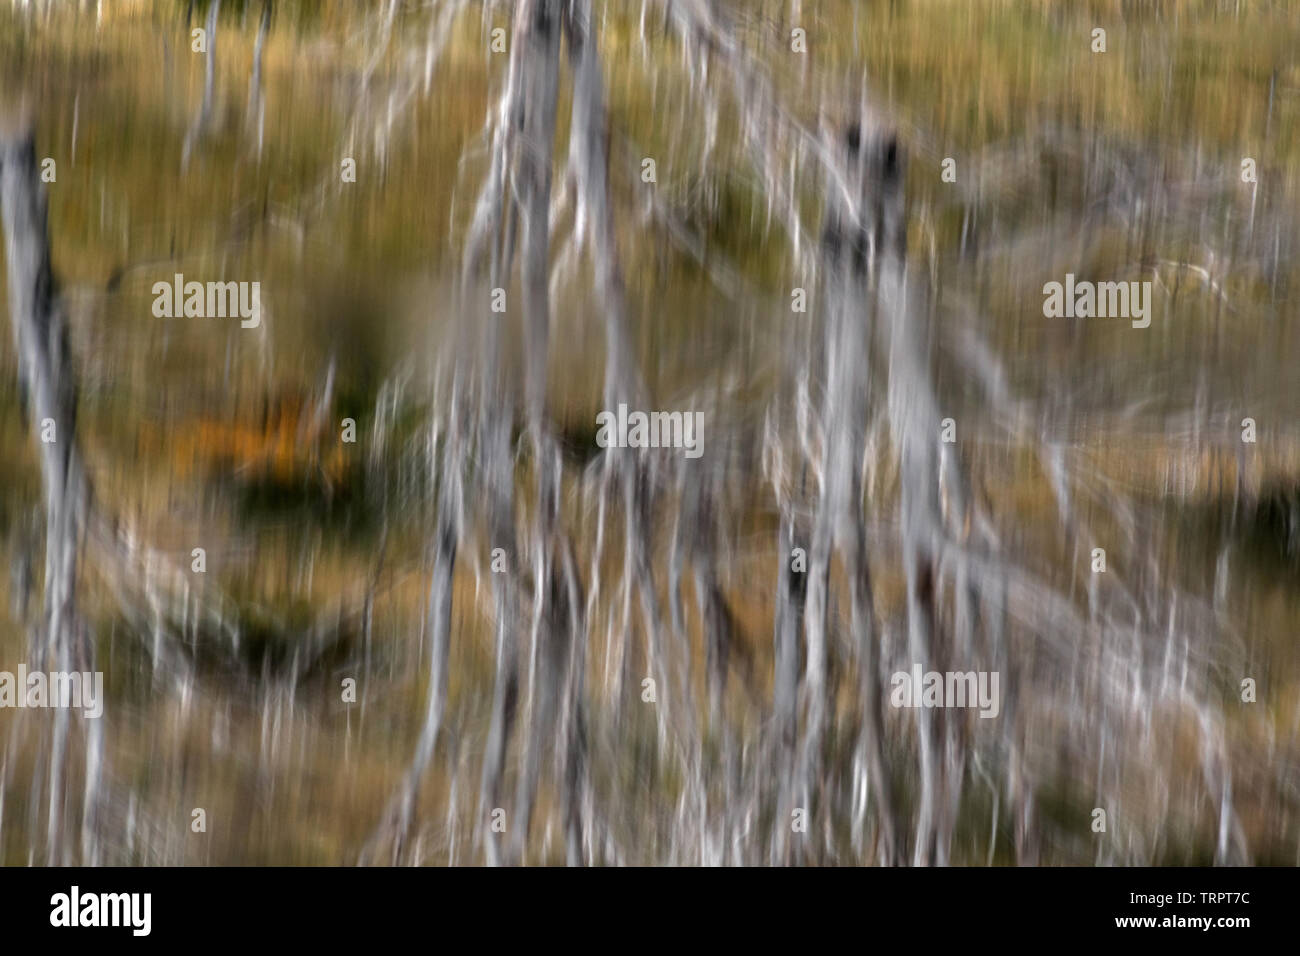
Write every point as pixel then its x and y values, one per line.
pixel 49 395
pixel 255 113
pixel 862 240
pixel 203 118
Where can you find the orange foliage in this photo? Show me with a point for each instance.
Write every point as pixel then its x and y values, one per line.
pixel 287 445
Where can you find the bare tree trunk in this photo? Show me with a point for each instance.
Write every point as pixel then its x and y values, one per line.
pixel 915 421
pixel 255 114
pixel 534 89
pixel 855 244
pixel 590 166
pixel 445 463
pixel 791 595
pixel 204 115
pixel 49 391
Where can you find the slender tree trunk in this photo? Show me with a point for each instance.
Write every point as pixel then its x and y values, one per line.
pixel 49 391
